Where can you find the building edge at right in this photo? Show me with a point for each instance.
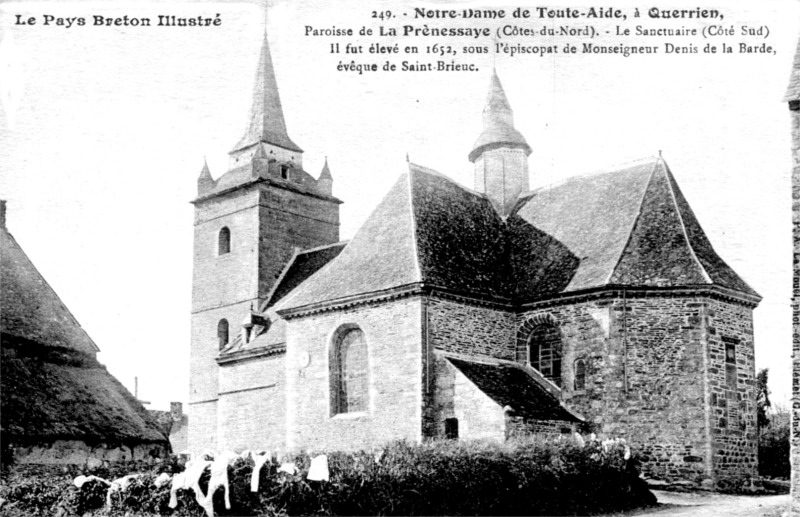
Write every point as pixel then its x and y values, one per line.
pixel 793 99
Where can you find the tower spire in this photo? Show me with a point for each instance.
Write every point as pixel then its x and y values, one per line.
pixel 498 123
pixel 266 122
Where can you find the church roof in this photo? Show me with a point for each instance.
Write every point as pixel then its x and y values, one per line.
pixel 301 266
pixel 30 309
pixel 266 114
pixel 515 386
pixel 498 123
pixel 629 227
pixel 793 90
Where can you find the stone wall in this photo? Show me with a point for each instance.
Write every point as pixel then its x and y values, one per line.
pixel 732 391
pixel 77 452
pixel 467 329
pixel 517 426
pixel 252 404
pixel 290 220
pixel 456 397
pixel 646 361
pixel 393 334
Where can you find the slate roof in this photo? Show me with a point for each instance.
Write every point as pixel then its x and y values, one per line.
pixel 299 180
pixel 627 227
pixel 793 90
pixel 514 385
pixel 498 123
pixel 51 384
pixel 266 114
pixel 301 266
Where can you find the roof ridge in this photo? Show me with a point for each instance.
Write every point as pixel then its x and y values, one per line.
pixel 668 173
pixel 324 246
pixel 414 244
pixel 633 226
pixel 597 172
pixel 414 167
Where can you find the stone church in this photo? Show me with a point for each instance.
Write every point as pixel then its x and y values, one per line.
pixel 597 305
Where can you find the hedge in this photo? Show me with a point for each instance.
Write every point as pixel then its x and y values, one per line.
pixel 531 477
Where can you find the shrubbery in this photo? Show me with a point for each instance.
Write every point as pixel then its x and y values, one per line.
pixel 773 452
pixel 532 477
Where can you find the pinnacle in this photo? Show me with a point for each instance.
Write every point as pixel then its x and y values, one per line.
pixel 326 171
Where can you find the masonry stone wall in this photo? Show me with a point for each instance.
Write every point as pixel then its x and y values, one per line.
pixel 646 360
pixel 291 220
pixel 393 334
pixel 517 427
pixel 78 452
pixel 467 329
pixel 252 404
pixel 455 396
pixel 732 391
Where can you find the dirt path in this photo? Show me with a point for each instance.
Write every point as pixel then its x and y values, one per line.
pixel 706 504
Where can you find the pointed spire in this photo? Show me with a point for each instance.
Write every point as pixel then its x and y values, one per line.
pixel 326 171
pixel 498 123
pixel 205 182
pixel 266 122
pixel 205 174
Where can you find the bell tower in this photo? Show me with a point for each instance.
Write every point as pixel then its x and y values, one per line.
pixel 247 224
pixel 501 153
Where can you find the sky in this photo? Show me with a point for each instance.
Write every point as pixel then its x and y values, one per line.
pixel 104 130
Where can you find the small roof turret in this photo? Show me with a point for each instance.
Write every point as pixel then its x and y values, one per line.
pixel 498 123
pixel 326 171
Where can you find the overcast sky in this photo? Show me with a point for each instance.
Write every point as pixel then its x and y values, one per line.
pixel 104 130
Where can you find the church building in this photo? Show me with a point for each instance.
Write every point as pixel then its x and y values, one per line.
pixel 596 305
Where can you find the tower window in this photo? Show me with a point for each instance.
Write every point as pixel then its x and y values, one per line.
pixel 285 172
pixel 544 351
pixel 222 333
pixel 731 371
pixel 580 374
pixel 348 372
pixel 224 241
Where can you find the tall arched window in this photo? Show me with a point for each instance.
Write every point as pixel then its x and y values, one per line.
pixel 544 350
pixel 349 390
pixel 580 374
pixel 224 241
pixel 222 333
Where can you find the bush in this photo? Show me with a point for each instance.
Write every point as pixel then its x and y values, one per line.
pixel 531 477
pixel 773 452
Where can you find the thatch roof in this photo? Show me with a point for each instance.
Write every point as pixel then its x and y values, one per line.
pixel 51 385
pixel 51 394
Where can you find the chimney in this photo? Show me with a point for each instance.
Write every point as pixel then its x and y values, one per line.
pixel 176 411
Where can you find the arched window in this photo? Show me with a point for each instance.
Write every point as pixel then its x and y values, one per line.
pixel 222 333
pixel 580 374
pixel 224 241
pixel 544 350
pixel 349 372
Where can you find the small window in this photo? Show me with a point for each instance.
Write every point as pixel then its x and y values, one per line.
pixel 222 333
pixel 580 374
pixel 348 364
pixel 731 372
pixel 224 241
pixel 285 172
pixel 451 428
